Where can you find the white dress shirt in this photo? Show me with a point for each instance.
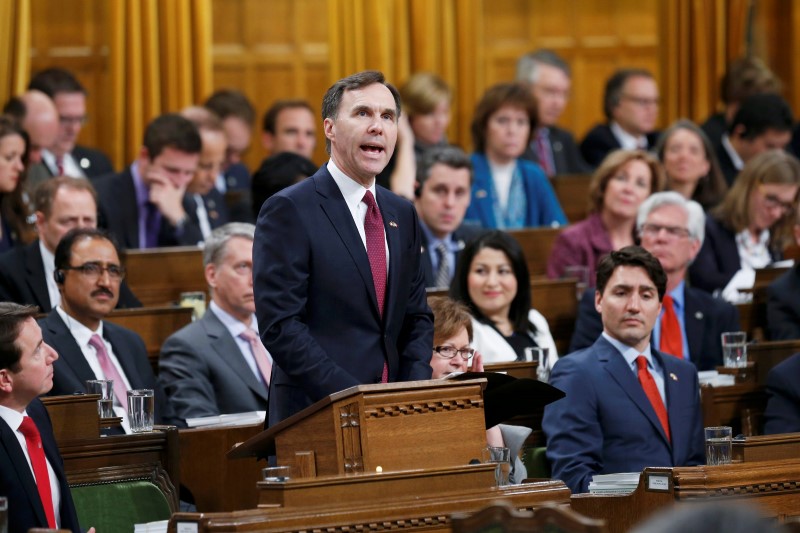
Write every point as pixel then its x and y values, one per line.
pixel 628 141
pixel 68 163
pixel 49 264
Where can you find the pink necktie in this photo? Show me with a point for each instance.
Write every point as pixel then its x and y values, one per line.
pixel 60 165
pixel 109 369
pixel 259 353
pixel 33 440
pixel 376 252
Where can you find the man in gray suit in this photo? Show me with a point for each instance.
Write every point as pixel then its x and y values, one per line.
pixel 217 365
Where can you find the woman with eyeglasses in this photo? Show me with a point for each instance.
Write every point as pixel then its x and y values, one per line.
pixel 751 227
pixel 620 184
pixel 452 334
pixel 492 280
pixel 14 211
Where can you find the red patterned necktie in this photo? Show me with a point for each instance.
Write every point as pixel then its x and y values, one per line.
pixel 651 390
pixel 33 441
pixel 671 341
pixel 376 252
pixel 543 152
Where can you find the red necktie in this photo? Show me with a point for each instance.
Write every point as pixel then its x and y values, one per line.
pixel 376 252
pixel 60 165
pixel 651 390
pixel 543 152
pixel 110 371
pixel 35 451
pixel 671 341
pixel 259 353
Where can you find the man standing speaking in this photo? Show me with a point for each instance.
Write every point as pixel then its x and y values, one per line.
pixel 340 295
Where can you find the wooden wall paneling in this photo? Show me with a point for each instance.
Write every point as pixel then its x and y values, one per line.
pixel 15 45
pixel 471 70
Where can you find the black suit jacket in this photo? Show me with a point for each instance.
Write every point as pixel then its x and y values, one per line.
pixel 25 510
pixel 462 235
pixel 601 140
pixel 71 370
pixel 215 205
pixel 94 163
pixel 119 214
pixel 783 306
pixel 706 318
pixel 782 414
pixel 566 155
pixel 729 170
pixel 22 280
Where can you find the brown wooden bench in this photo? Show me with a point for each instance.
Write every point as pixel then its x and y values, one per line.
pixel 159 276
pixel 572 191
pixel 536 244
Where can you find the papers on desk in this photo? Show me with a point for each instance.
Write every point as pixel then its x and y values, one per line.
pixel 622 483
pixel 714 378
pixel 152 527
pixel 236 419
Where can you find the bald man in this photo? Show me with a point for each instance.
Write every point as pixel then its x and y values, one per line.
pixel 42 125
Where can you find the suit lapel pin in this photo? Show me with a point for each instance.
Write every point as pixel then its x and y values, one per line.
pixel 392 223
pixel 480 193
pixel 673 377
pixel 84 162
pixel 213 215
pixel 461 244
pixel 699 315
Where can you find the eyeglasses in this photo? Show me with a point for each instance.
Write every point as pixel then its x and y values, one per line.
pixel 448 352
pixel 773 202
pixel 95 270
pixel 69 121
pixel 641 101
pixel 675 232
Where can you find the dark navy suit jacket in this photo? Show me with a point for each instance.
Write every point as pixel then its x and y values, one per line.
pixel 567 157
pixel 315 299
pixel 25 510
pixel 606 424
pixel 600 141
pixel 782 414
pixel 783 306
pixel 705 319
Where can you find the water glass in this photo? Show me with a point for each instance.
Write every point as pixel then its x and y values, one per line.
pixel 718 445
pixel 105 388
pixel 500 456
pixel 196 300
pixel 141 410
pixel 734 349
pixel 277 474
pixel 540 355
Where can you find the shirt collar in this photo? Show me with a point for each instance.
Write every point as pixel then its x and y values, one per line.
pixel 352 191
pixel 48 259
pixel 81 333
pixel 629 352
pixel 12 417
pixel 433 241
pixel 732 153
pixel 626 140
pixel 678 296
pixel 234 326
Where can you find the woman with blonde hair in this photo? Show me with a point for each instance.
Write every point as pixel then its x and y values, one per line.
pixel 620 184
pixel 751 227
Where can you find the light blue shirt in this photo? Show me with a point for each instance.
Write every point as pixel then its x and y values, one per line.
pixel 453 247
pixel 679 304
pixel 653 366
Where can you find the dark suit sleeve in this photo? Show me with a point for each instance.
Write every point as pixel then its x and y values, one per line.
pixel 782 414
pixel 710 269
pixel 588 325
pixel 572 427
pixel 183 374
pixel 783 322
pixel 127 300
pixel 697 447
pixel 282 278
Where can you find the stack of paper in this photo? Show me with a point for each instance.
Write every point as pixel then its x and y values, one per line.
pixel 236 419
pixel 622 483
pixel 712 377
pixel 151 527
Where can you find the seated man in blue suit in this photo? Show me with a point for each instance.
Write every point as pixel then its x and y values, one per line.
pixel 628 406
pixel 782 414
pixel 32 478
pixel 672 228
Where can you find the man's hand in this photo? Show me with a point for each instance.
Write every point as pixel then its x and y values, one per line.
pixel 166 196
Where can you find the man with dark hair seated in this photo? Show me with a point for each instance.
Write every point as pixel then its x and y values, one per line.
pixel 276 173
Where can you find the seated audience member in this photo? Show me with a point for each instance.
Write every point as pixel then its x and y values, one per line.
pixel 751 227
pixel 444 177
pixel 630 103
pixel 65 157
pixel 763 122
pixel 217 365
pixel 276 173
pixel 452 336
pixel 211 211
pixel 618 187
pixel 492 280
pixel 553 148
pixel 238 118
pixel 426 115
pixel 691 321
pixel 289 126
pixel 145 206
pixel 88 274
pixel 782 414
pixel 744 77
pixel 26 273
pixel 628 406
pixel 31 469
pixel 40 122
pixel 508 192
pixel 14 210
pixel 783 303
pixel 690 164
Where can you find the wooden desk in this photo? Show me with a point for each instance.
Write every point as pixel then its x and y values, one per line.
pixel 572 191
pixel 768 354
pixel 158 276
pixel 536 244
pixel 739 406
pixel 153 324
pixel 766 448
pixel 556 299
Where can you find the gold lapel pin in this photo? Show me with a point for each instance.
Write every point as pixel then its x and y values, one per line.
pixel 392 223
pixel 480 193
pixel 673 376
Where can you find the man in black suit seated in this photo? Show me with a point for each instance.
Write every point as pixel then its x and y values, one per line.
pixel 31 469
pixel 289 126
pixel 88 274
pixel 672 229
pixel 66 157
pixel 145 205
pixel 442 195
pixel 26 272
pixel 630 103
pixel 783 300
pixel 782 414
pixel 763 122
pixel 553 148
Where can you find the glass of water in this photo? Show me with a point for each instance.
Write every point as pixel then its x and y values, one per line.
pixel 718 445
pixel 105 388
pixel 141 410
pixel 734 349
pixel 540 355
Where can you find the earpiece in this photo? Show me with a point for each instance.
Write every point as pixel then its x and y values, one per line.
pixel 58 275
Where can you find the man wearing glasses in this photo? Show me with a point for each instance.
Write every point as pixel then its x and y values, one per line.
pixel 691 321
pixel 630 103
pixel 88 274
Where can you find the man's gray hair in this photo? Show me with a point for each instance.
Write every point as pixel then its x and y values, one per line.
pixel 696 223
pixel 528 65
pixel 214 248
